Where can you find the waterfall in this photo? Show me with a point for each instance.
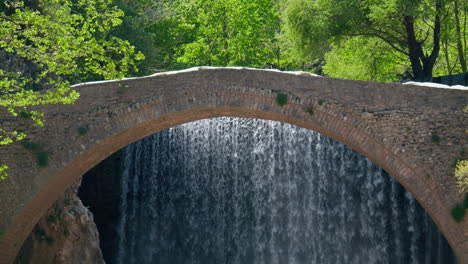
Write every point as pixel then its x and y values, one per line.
pixel 234 190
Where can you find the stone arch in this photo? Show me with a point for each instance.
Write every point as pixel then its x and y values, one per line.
pixel 371 118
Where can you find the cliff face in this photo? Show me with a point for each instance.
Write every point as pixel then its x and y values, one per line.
pixel 65 234
pixel 100 191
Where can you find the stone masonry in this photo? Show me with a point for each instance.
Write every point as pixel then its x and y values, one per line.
pixel 414 132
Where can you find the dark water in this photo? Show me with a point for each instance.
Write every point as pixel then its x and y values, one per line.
pixel 232 190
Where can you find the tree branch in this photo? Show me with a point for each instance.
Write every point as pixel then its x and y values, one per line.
pixel 437 26
pixel 380 37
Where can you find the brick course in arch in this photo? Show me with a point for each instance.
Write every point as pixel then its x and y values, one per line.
pixel 392 124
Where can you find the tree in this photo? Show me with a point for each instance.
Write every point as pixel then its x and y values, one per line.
pixel 228 32
pixel 139 28
pixel 363 58
pixel 168 32
pixel 66 41
pixel 411 28
pixel 461 45
pixel 187 33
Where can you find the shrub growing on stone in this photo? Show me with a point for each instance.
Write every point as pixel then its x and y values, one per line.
pixel 461 174
pixel 42 158
pixel 282 99
pixel 49 240
pixel 30 146
pixel 458 212
pixel 82 130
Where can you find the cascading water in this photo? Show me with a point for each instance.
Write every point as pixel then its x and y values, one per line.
pixel 233 190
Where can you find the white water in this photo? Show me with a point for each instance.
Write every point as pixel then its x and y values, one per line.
pixel 232 190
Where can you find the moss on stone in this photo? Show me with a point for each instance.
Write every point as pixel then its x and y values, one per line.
pixel 42 158
pixel 282 99
pixel 458 212
pixel 82 130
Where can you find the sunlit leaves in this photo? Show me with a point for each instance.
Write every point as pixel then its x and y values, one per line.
pixel 362 58
pixel 315 26
pixel 3 172
pixel 67 41
pixel 461 173
pixel 7 137
pixel 57 38
pixel 228 32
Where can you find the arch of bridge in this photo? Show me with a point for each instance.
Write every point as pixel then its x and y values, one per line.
pixel 392 124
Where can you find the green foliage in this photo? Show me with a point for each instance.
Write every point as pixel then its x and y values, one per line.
pixel 306 27
pixel 8 137
pixel 42 158
pixel 361 58
pixel 3 172
pixel 458 212
pixel 461 175
pixel 52 218
pixel 55 216
pixel 121 89
pixel 378 39
pixel 454 42
pixel 137 28
pixel 218 33
pixel 40 232
pixel 310 110
pixel 82 130
pixel 281 99
pixel 25 114
pixel 435 138
pixel 321 102
pixel 67 41
pixel 31 146
pixel 455 162
pixel 66 231
pixel 49 240
pixel 465 202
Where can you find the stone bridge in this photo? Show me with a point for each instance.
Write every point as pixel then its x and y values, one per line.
pixel 414 132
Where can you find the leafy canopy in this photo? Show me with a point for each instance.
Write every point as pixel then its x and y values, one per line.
pixel 68 41
pixel 226 32
pixel 366 59
pixel 415 31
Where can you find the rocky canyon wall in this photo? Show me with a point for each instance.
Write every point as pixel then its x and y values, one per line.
pixel 65 234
